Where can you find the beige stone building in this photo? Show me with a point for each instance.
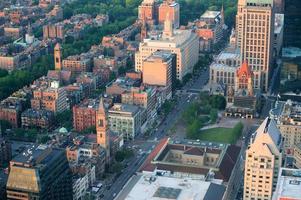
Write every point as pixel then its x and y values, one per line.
pixel 288 119
pixel 297 156
pixel 157 71
pixel 183 43
pixel 263 161
pixel 255 37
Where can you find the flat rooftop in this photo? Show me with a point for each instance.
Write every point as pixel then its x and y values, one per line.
pixel 289 184
pixel 36 154
pixel 210 14
pixel 162 188
pixel 119 107
pixel 279 23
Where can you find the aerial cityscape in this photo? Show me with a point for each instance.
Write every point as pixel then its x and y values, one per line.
pixel 150 100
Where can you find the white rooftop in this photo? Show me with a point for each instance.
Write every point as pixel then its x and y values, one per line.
pixel 179 37
pixel 288 185
pixel 279 23
pixel 210 14
pixel 187 188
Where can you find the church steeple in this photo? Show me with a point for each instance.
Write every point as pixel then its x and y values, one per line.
pixel 102 129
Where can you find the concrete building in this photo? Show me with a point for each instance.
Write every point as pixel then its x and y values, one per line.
pixel 43 119
pixel 125 119
pixel 288 185
pixel 263 162
pixel 53 31
pixel 159 70
pixel 183 43
pixel 255 38
pixel 40 172
pixel 164 187
pixel 169 10
pixel 53 98
pixel 198 160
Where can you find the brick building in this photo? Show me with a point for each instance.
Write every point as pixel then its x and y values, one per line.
pixel 43 119
pixel 84 114
pixel 53 31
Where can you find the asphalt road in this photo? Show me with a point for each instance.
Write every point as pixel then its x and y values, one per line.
pixel 184 99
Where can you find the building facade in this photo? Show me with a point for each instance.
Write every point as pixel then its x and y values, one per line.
pixel 40 172
pixel 263 162
pixel 126 120
pixel 254 32
pixel 183 43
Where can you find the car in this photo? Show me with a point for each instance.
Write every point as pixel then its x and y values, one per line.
pixel 114 195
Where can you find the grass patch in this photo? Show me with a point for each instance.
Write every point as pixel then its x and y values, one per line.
pixel 223 135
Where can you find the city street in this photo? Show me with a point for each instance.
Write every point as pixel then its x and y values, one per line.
pixel 184 99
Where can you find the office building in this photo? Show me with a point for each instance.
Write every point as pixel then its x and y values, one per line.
pixel 288 185
pixel 40 172
pixel 125 119
pixel 263 162
pixel 183 43
pixel 198 160
pixel 255 38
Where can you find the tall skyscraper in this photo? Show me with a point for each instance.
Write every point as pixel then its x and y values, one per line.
pixel 40 172
pixel 58 56
pixel 102 129
pixel 263 161
pixel 254 31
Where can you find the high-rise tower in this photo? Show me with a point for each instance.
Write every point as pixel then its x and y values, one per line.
pixel 254 32
pixel 58 56
pixel 102 129
pixel 263 161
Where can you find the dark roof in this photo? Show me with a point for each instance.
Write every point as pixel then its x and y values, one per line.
pixel 215 192
pixel 228 163
pixel 195 151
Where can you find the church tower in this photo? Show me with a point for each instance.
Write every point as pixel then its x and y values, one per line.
pixel 102 129
pixel 58 56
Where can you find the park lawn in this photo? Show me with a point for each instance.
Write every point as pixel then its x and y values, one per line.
pixel 222 135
